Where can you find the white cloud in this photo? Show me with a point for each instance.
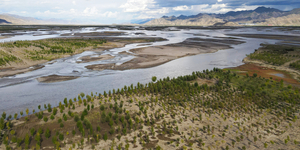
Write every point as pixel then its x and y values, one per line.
pixel 163 10
pixel 90 11
pixel 218 6
pixel 137 5
pixel 73 11
pixel 245 7
pixel 220 0
pixel 197 8
pixel 142 9
pixel 47 12
pixel 74 2
pixel 110 14
pixel 181 8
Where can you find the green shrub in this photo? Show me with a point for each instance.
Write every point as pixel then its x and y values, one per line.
pixel 19 141
pixel 105 137
pixel 32 131
pixel 112 131
pixel 45 118
pixel 76 118
pixel 124 131
pixel 38 138
pixel 47 133
pixel 102 107
pixel 73 132
pixel 14 139
pixel 27 139
pixel 12 132
pixel 40 131
pixel 65 117
pixel 2 124
pixel 61 137
pixel 54 111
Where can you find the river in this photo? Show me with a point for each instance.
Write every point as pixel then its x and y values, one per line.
pixel 23 91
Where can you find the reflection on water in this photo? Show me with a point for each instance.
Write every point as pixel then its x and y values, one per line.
pixel 279 75
pixel 25 92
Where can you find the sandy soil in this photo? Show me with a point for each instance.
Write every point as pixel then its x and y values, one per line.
pixel 4 37
pixel 157 55
pixel 55 78
pixel 10 71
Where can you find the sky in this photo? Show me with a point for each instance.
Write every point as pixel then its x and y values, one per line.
pixel 124 11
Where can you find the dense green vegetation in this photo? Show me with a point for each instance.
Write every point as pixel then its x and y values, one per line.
pixel 275 54
pixel 255 106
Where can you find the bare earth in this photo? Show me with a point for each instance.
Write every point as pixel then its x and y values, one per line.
pixel 18 69
pixel 4 37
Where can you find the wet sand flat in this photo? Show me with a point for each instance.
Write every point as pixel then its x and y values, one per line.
pixel 157 55
pixel 94 58
pixel 105 33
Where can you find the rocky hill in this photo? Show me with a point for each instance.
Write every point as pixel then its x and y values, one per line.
pixel 204 20
pixel 259 16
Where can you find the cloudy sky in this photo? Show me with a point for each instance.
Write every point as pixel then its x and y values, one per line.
pixel 122 11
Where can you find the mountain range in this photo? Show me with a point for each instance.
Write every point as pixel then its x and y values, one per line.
pixel 20 20
pixel 259 16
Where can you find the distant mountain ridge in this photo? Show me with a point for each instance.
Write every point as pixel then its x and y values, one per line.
pixel 141 21
pixel 258 16
pixel 20 20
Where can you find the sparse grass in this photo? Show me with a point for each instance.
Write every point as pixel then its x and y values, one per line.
pixel 49 48
pixel 295 65
pixel 6 58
